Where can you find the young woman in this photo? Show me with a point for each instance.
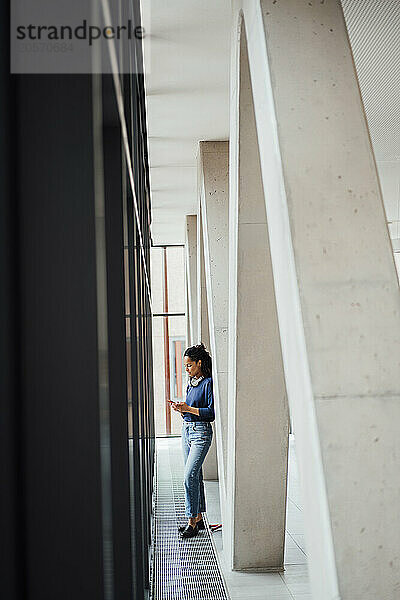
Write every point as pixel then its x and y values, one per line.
pixel 197 413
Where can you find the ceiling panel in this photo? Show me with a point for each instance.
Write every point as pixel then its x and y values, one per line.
pixel 374 32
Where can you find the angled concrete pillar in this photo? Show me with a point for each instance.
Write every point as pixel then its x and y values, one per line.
pixel 210 466
pixel 191 277
pixel 336 288
pixel 259 422
pixel 213 169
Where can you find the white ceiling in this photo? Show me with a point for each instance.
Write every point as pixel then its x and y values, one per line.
pixel 187 87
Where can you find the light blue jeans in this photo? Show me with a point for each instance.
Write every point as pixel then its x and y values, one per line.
pixel 196 441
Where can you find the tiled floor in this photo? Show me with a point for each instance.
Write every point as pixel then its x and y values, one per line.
pixel 293 583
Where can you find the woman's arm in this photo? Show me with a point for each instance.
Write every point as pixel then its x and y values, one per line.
pixel 207 412
pixel 182 407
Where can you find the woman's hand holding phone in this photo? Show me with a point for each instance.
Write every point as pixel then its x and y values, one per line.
pixel 180 406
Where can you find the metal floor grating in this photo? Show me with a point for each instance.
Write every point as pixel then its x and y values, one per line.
pixel 181 569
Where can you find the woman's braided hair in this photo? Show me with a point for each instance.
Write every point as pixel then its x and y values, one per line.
pixel 197 353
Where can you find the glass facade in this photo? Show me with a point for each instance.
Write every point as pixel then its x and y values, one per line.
pixel 169 335
pixel 77 437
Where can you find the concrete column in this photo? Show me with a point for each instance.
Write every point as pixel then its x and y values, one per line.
pixel 187 312
pixel 336 288
pixel 210 467
pixel 202 307
pixel 259 423
pixel 213 169
pixel 191 277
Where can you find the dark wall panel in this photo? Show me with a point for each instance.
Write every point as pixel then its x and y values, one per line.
pixel 123 583
pixel 60 425
pixel 11 514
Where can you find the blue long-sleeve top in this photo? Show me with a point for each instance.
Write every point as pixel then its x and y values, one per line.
pixel 201 396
